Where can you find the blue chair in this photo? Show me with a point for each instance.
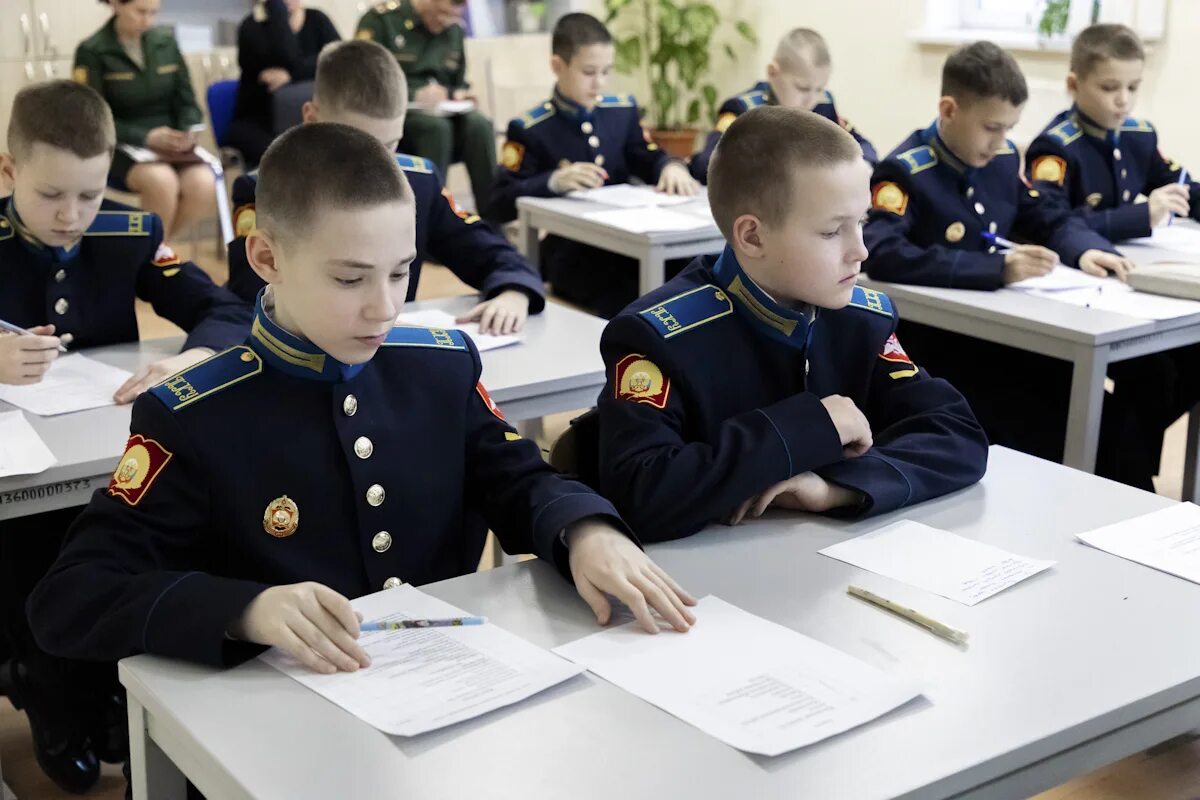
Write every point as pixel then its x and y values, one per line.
pixel 221 98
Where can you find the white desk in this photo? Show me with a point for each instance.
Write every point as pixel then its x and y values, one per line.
pixel 1074 668
pixel 558 368
pixel 564 217
pixel 1089 338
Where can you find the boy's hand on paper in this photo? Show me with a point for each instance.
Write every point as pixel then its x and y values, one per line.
pixel 605 561
pixel 25 359
pixel 1102 264
pixel 503 314
pixel 155 373
pixel 1028 261
pixel 312 623
pixel 580 175
pixel 675 179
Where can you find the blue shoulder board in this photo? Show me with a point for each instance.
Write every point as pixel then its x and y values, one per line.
pixel 871 300
pixel 616 101
pixel 1008 149
pixel 689 310
pixel 1065 132
pixel 210 376
pixel 414 163
pixel 826 98
pixel 120 223
pixel 752 99
pixel 538 113
pixel 1136 126
pixel 440 338
pixel 918 159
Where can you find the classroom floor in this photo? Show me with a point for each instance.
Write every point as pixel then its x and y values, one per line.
pixel 1168 772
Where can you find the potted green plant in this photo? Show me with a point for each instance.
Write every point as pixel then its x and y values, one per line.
pixel 669 43
pixel 1055 16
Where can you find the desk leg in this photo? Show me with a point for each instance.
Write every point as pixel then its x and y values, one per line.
pixel 527 239
pixel 152 773
pixel 651 270
pixel 1191 487
pixel 1083 419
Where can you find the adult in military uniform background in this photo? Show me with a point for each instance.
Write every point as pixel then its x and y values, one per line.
pixel 139 70
pixel 426 36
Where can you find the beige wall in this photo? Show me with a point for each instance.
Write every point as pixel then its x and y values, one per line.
pixel 887 84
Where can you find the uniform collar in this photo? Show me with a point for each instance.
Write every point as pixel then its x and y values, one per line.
pixel 291 354
pixel 1092 129
pixel 791 326
pixel 58 255
pixel 570 108
pixel 112 43
pixel 932 136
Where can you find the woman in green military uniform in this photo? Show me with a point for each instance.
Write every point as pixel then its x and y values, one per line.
pixel 141 73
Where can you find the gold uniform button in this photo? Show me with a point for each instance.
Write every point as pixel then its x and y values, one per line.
pixel 586 127
pixel 979 208
pixel 66 338
pixel 392 583
pixel 992 249
pixel 247 357
pixel 594 141
pixel 599 161
pixel 1125 195
pixel 363 447
pixel 381 542
pixel 1117 154
pixel 61 305
pixel 60 276
pixel 375 495
pixel 350 405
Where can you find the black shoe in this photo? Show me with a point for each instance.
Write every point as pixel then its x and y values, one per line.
pixel 109 732
pixel 63 753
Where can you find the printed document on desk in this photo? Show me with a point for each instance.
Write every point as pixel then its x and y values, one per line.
pixel 1166 540
pixel 625 195
pixel 22 451
pixel 1179 238
pixel 436 318
pixel 753 684
pixel 649 220
pixel 422 679
pixel 73 383
pixel 937 561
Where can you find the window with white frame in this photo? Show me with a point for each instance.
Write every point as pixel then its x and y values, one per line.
pixel 1015 23
pixel 1000 14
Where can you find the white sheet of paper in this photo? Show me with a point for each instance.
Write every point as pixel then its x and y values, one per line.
pixel 1179 238
pixel 937 561
pixel 1063 278
pixel 424 679
pixel 646 220
pixel 755 685
pixel 1141 305
pixel 1166 540
pixel 435 318
pixel 624 195
pixel 73 383
pixel 22 451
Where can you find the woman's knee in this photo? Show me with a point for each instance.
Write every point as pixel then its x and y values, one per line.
pixel 159 179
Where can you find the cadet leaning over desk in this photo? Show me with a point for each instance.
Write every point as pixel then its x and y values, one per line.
pixel 359 84
pixel 328 457
pixel 71 266
pixel 765 377
pixel 139 70
pixel 796 78
pixel 426 36
pixel 935 200
pixel 1099 160
pixel 582 139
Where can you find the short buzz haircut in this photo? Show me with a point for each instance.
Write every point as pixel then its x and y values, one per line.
pixel 983 70
pixel 360 76
pixel 63 114
pixel 800 47
pixel 1099 43
pixel 573 31
pixel 315 168
pixel 754 168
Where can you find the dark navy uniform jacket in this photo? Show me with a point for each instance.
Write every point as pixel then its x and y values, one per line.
pixel 761 95
pixel 714 395
pixel 88 292
pixel 464 243
pixel 271 463
pixel 1100 172
pixel 930 210
pixel 560 131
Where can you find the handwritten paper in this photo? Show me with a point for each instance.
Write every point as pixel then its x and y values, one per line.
pixel 648 220
pixel 938 561
pixel 73 383
pixel 1166 540
pixel 624 195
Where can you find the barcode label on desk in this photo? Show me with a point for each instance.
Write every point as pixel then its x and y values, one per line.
pixel 44 492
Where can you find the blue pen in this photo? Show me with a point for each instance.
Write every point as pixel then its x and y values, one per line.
pixel 1183 179
pixel 997 240
pixel 8 326
pixel 406 624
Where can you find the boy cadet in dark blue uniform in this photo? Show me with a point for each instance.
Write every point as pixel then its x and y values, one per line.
pixel 582 139
pixel 1098 159
pixel 935 198
pixel 796 78
pixel 207 541
pixel 358 83
pixel 816 406
pixel 71 267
